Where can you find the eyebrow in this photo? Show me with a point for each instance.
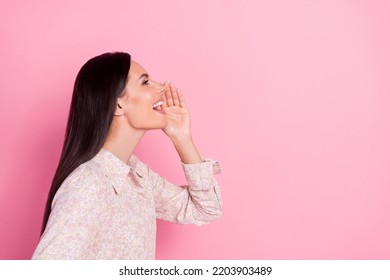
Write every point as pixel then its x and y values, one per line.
pixel 144 75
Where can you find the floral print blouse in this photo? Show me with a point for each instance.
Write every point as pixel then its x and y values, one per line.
pixel 106 209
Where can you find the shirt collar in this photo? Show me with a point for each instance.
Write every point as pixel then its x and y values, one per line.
pixel 112 164
pixel 117 169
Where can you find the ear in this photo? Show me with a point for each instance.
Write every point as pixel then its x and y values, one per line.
pixel 119 110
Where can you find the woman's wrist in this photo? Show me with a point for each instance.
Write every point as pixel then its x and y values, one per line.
pixel 182 139
pixel 186 149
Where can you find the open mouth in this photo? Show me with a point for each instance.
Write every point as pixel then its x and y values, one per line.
pixel 157 106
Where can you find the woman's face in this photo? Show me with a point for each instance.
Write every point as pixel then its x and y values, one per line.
pixel 141 92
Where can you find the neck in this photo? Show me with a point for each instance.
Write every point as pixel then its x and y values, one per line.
pixel 122 140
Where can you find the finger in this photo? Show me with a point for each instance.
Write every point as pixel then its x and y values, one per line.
pixel 169 95
pixel 164 105
pixel 181 98
pixel 174 95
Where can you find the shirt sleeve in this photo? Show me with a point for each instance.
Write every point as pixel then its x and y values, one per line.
pixel 197 203
pixel 73 222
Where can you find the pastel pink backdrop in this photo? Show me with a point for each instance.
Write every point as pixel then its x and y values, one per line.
pixel 292 97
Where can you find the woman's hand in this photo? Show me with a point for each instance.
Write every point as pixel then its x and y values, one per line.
pixel 178 117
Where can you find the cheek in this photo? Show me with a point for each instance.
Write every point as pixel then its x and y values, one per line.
pixel 138 104
pixel 139 111
pixel 142 99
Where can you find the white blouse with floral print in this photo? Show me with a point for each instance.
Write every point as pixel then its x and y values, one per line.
pixel 106 209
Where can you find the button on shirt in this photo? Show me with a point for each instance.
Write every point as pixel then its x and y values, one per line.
pixel 106 209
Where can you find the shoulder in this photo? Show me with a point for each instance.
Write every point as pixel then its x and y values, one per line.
pixel 85 183
pixel 87 172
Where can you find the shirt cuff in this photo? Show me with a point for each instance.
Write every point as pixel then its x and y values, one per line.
pixel 200 175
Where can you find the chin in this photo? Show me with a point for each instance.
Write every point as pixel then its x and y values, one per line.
pixel 159 125
pixel 163 125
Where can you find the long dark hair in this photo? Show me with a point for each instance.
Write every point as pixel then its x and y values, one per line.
pixel 98 84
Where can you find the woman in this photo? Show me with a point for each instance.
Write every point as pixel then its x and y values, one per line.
pixel 104 201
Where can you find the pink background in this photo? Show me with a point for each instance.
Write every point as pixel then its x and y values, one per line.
pixel 292 97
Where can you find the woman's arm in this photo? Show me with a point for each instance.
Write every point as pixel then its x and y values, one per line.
pixel 186 149
pixel 199 202
pixel 75 219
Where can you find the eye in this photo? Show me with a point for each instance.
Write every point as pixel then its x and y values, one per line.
pixel 146 82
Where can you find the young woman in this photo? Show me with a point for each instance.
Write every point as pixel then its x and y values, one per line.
pixel 104 201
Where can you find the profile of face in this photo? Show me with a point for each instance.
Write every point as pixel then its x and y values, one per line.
pixel 140 94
